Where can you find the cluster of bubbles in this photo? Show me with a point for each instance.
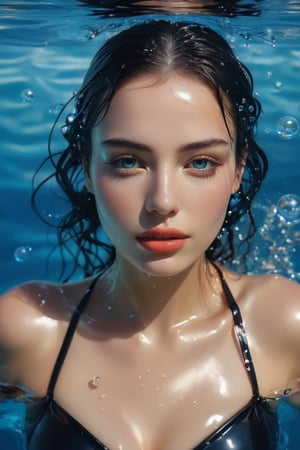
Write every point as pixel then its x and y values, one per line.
pixel 280 233
pixel 274 249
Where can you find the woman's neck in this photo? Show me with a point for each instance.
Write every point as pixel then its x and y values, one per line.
pixel 143 301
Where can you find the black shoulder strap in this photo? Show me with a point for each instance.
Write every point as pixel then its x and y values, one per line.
pixel 240 332
pixel 68 339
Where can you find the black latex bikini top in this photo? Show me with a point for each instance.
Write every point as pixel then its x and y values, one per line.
pixel 254 427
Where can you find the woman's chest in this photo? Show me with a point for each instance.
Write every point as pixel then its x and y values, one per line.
pixel 149 398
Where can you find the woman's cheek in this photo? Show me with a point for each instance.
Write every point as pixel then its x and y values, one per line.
pixel 116 202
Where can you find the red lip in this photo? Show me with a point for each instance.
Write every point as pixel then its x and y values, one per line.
pixel 162 233
pixel 162 240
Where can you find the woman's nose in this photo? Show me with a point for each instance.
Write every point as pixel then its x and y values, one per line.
pixel 162 196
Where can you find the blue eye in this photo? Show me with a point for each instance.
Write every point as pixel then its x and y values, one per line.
pixel 126 162
pixel 202 167
pixel 125 165
pixel 200 164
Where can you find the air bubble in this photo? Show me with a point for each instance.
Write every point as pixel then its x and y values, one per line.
pixel 92 34
pixel 287 127
pixel 27 95
pixel 278 84
pixel 55 109
pixel 70 118
pixel 288 208
pixel 21 254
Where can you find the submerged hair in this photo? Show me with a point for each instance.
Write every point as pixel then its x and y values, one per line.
pixel 158 47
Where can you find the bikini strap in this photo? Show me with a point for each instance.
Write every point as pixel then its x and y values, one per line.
pixel 68 339
pixel 240 333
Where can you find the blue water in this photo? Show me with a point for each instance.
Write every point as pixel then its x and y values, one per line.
pixel 45 48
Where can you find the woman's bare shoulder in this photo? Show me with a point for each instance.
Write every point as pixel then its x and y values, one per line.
pixel 23 310
pixel 271 289
pixel 272 303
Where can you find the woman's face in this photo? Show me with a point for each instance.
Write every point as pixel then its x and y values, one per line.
pixel 162 172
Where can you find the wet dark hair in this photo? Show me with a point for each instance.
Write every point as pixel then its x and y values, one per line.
pixel 159 47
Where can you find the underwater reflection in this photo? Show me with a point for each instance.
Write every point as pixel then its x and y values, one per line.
pixel 125 8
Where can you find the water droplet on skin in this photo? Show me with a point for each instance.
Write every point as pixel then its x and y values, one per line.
pixel 287 127
pixel 27 95
pixel 288 208
pixel 96 381
pixel 21 254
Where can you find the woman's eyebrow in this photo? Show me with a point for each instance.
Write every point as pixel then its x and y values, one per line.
pixel 128 143
pixel 206 143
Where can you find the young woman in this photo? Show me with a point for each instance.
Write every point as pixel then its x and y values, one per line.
pixel 159 347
